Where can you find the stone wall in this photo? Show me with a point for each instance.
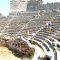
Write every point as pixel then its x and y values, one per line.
pixel 25 5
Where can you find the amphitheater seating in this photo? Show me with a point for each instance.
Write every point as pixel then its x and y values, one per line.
pixel 44 38
pixel 16 25
pixel 3 23
pixel 47 38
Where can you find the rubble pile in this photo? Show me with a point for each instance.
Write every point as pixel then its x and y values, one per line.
pixel 18 47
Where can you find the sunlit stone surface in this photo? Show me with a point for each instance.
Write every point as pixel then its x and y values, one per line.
pixel 39 28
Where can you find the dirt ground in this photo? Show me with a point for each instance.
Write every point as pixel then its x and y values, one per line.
pixel 6 54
